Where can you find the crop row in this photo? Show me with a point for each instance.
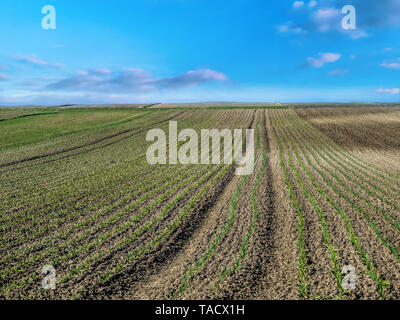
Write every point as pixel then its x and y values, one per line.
pixel 295 145
pixel 64 215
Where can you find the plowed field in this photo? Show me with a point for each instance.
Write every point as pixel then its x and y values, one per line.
pixel 78 194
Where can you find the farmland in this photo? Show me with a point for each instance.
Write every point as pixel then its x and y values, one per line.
pixel 78 194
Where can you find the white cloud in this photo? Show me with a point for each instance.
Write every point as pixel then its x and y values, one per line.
pixel 101 71
pixel 298 4
pixel 339 72
pixel 133 80
pixel 391 64
pixel 35 61
pixel 357 34
pixel 330 20
pixel 82 72
pixel 377 13
pixel 289 28
pixel 312 3
pixel 389 91
pixel 3 77
pixel 323 59
pixel 327 19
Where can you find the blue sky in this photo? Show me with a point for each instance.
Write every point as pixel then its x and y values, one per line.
pixel 140 51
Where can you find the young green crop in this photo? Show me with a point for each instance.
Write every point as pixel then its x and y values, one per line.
pixel 304 286
pixel 381 284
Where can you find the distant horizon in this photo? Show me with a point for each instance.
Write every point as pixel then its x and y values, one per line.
pixel 226 103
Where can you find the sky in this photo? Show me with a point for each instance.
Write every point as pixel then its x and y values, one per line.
pixel 147 51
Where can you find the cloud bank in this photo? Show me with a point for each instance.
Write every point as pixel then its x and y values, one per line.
pixel 298 4
pixel 326 16
pixel 134 80
pixel 391 64
pixel 35 61
pixel 323 59
pixel 389 91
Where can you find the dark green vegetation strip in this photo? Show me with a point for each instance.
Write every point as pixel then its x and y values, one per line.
pixel 24 130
